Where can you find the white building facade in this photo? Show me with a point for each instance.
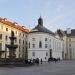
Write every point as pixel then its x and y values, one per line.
pixel 44 44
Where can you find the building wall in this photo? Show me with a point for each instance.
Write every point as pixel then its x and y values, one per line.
pixel 65 52
pixel 71 47
pixel 52 43
pixel 39 52
pixel 57 48
pixel 20 51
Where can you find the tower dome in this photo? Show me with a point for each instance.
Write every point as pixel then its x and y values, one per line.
pixel 40 21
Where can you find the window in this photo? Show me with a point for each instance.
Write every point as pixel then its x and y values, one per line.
pixel 45 45
pixel 29 44
pixel 23 41
pixel 1 27
pixel 69 45
pixel 40 44
pixel 70 39
pixel 6 29
pixel 26 36
pixel 23 35
pixel 16 32
pixel 45 39
pixel 19 34
pixel 26 42
pixel 0 46
pixel 6 38
pixel 0 36
pixel 33 53
pixel 46 53
pixel 33 45
pixel 19 48
pixel 33 39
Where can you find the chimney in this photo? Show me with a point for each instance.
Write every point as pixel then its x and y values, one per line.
pixel 68 30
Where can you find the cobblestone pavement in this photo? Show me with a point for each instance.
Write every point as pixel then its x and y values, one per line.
pixel 60 68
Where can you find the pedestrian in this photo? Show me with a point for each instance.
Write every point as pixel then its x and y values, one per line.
pixel 41 60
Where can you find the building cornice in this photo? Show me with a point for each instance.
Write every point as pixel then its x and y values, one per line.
pixel 14 25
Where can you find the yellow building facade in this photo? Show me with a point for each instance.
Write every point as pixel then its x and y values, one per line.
pixel 20 32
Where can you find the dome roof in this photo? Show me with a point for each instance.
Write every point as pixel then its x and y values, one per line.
pixel 41 28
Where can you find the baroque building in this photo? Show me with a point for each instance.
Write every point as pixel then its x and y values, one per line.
pixel 36 43
pixel 5 32
pixel 43 43
pixel 69 43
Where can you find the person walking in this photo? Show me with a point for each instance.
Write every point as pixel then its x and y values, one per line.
pixel 41 60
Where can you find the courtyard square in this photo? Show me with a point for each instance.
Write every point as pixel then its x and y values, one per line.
pixel 60 68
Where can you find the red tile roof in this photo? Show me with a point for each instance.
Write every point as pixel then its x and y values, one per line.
pixel 15 25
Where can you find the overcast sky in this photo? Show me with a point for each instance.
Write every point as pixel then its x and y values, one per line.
pixel 55 13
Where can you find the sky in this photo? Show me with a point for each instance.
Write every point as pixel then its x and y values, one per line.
pixel 56 14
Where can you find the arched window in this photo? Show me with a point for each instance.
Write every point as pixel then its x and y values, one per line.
pixel 23 42
pixel 40 44
pixel 33 45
